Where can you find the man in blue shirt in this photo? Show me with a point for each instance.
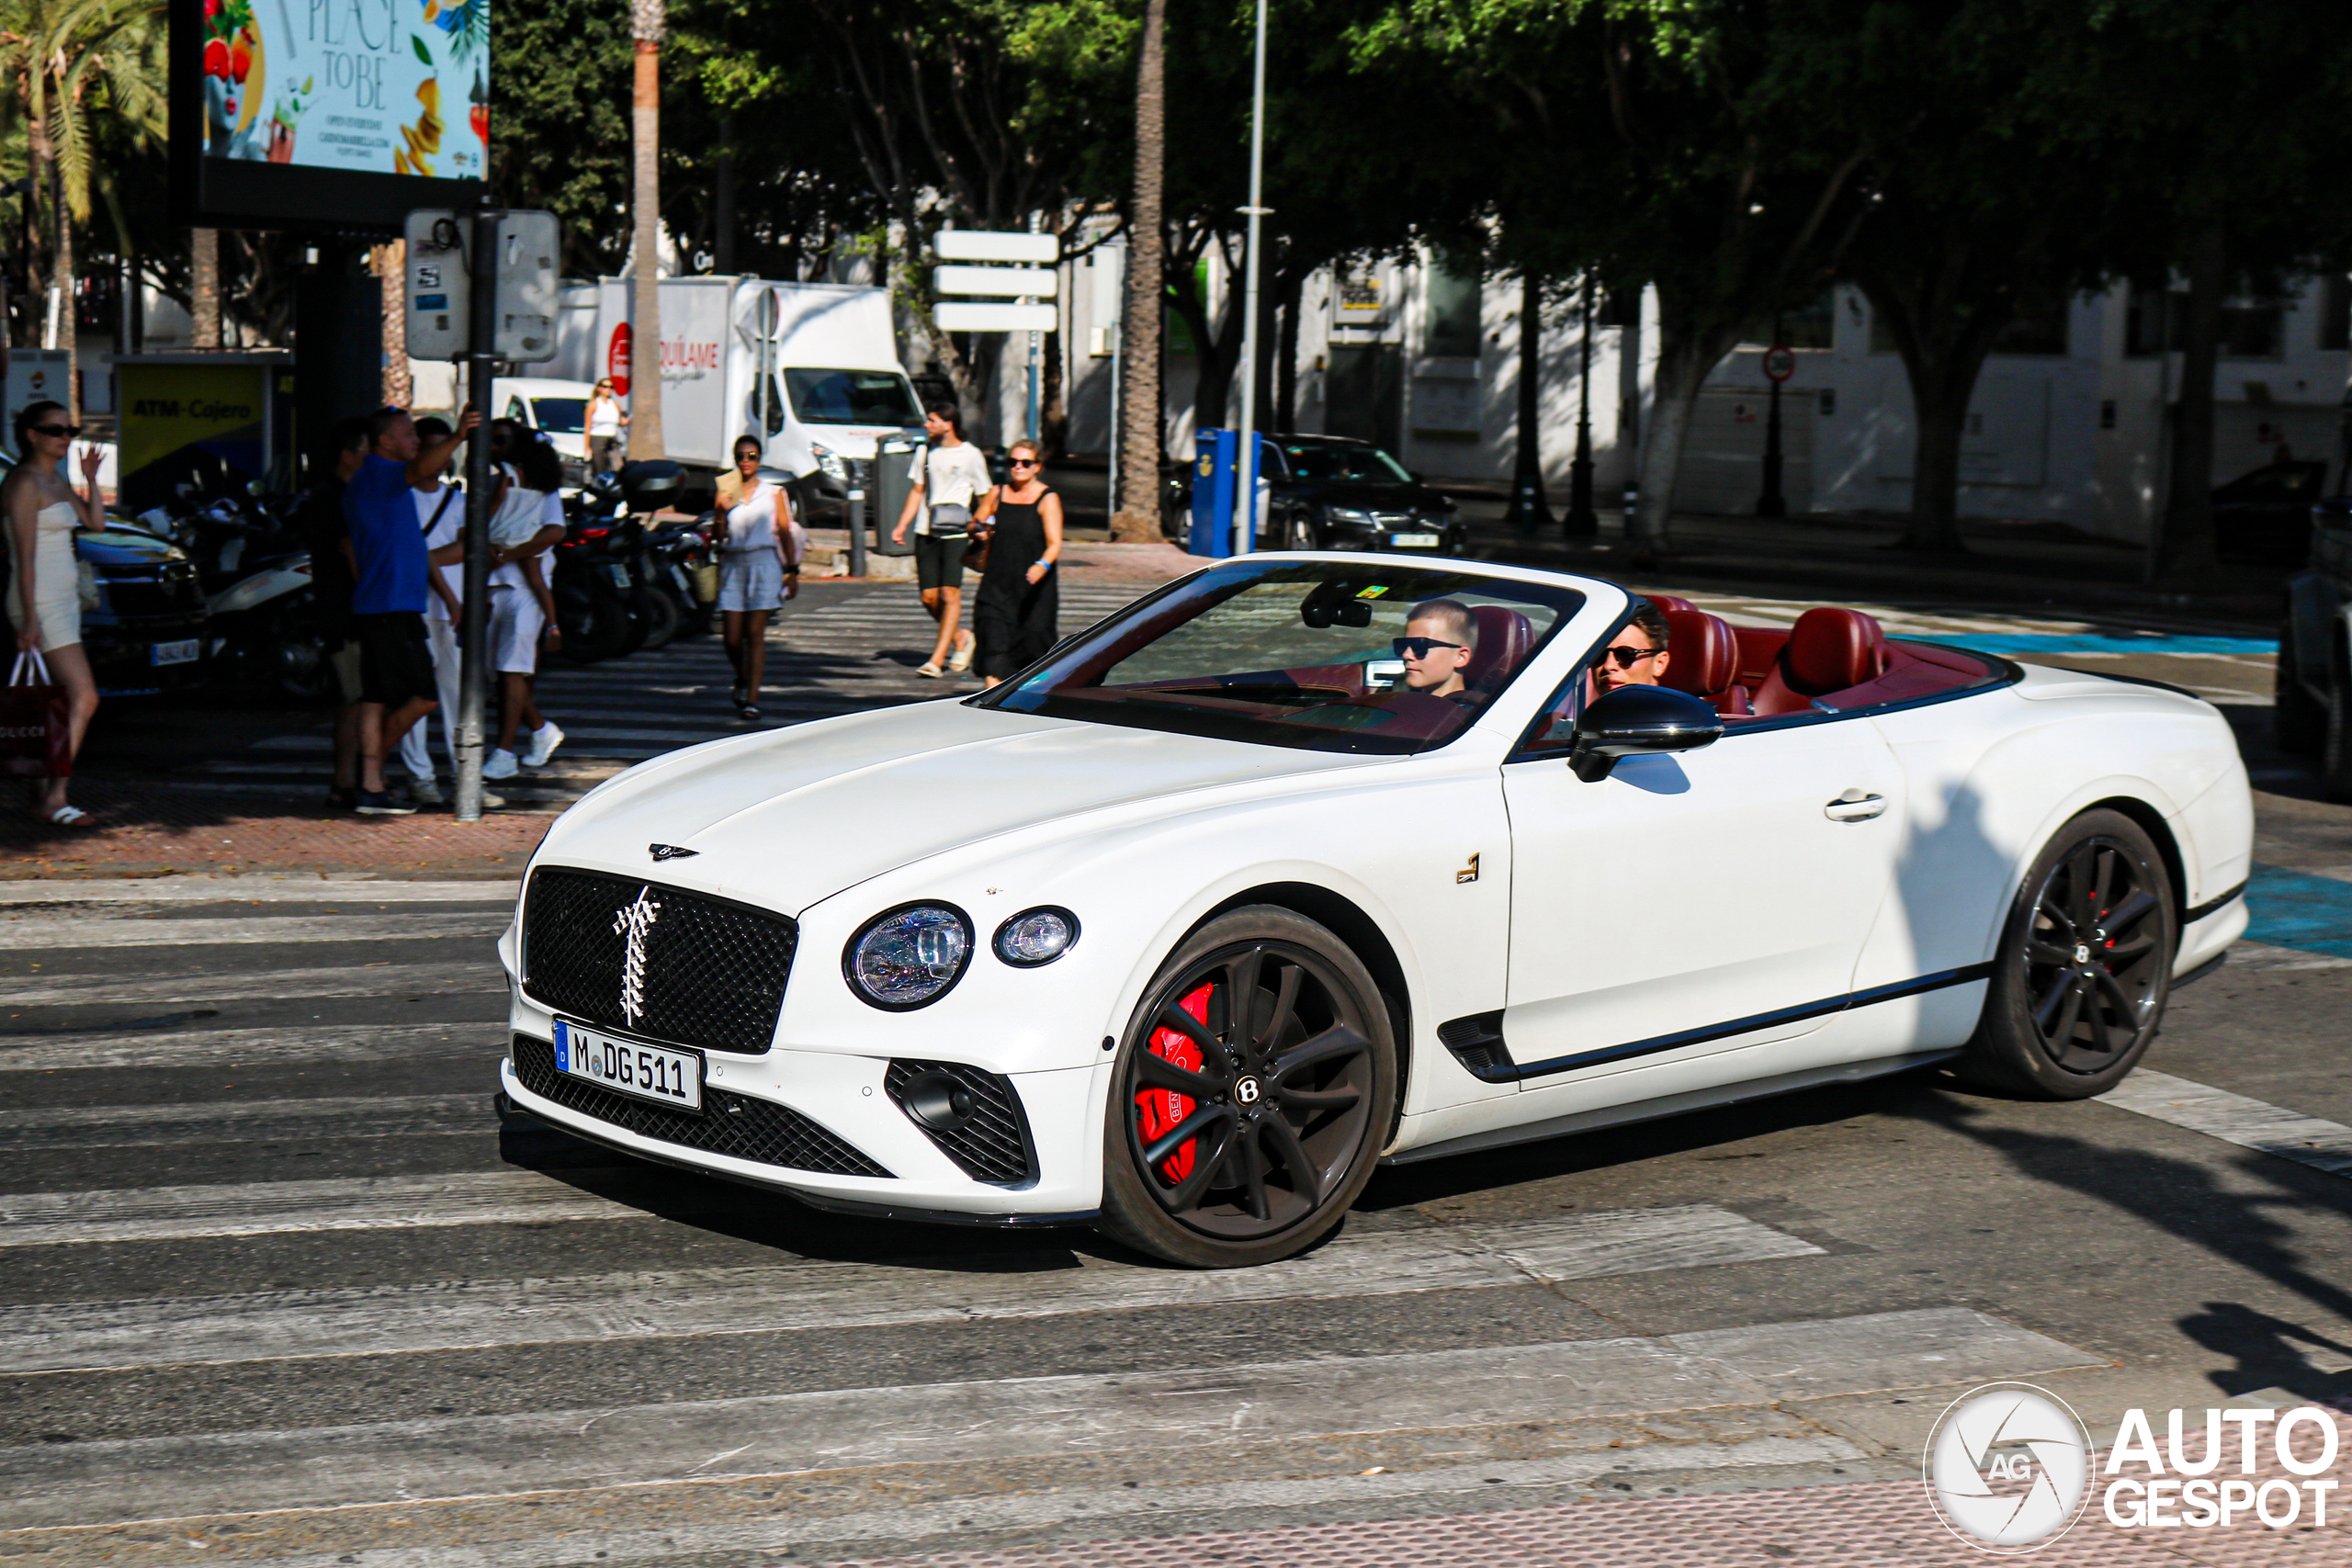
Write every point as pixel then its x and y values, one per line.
pixel 389 560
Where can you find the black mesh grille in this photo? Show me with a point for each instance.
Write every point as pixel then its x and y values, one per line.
pixel 713 971
pixel 993 1147
pixel 733 1124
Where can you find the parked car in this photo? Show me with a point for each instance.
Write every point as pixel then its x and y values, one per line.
pixel 147 631
pixel 559 409
pixel 1253 885
pixel 1332 492
pixel 2267 514
pixel 2313 683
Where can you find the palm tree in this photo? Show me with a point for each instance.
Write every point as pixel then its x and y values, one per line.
pixel 64 60
pixel 204 288
pixel 647 20
pixel 1142 442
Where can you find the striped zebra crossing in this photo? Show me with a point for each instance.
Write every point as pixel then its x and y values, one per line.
pixel 513 1349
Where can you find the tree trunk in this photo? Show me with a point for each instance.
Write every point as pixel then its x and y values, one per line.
pixel 1528 512
pixel 1682 367
pixel 645 435
pixel 1217 354
pixel 1053 408
pixel 391 262
pixel 2186 551
pixel 204 288
pixel 1290 290
pixel 722 238
pixel 68 321
pixel 1142 438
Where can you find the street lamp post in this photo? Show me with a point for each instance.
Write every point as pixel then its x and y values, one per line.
pixel 1581 522
pixel 1245 481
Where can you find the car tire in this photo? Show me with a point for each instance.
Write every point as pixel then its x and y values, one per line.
pixel 2084 966
pixel 662 619
pixel 1290 1113
pixel 2335 751
pixel 1298 532
pixel 2300 718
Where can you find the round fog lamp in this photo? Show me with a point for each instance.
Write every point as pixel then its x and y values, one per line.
pixel 906 957
pixel 1036 936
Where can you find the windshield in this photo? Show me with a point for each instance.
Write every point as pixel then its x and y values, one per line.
pixel 1314 655
pixel 1346 463
pixel 852 397
pixel 560 416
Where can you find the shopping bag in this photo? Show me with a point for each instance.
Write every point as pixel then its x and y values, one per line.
pixel 35 736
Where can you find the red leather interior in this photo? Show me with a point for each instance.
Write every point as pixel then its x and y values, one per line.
pixel 1504 637
pixel 1672 605
pixel 1831 648
pixel 1703 659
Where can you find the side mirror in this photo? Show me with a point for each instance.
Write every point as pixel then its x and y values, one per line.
pixel 1632 721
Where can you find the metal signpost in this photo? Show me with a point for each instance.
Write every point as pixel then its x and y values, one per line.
pixel 480 288
pixel 1245 510
pixel 1014 292
pixel 1780 363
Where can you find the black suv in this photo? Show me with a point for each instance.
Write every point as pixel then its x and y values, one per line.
pixel 1334 493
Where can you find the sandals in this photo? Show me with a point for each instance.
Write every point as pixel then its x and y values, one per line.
pixel 961 660
pixel 748 711
pixel 71 817
pixel 929 669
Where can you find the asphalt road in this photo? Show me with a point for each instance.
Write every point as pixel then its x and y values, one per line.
pixel 278 1287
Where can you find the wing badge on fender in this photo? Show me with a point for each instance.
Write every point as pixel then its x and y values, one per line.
pixel 669 851
pixel 1468 873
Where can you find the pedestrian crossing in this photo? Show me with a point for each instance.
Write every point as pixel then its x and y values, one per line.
pixel 477 1343
pixel 834 651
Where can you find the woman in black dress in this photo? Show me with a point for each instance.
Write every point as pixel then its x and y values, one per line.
pixel 1018 600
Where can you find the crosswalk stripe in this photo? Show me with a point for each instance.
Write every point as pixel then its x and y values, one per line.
pixel 827 1296
pixel 276 1208
pixel 70 1050
pixel 34 931
pixel 418 1461
pixel 387 979
pixel 2235 1119
pixel 341 1117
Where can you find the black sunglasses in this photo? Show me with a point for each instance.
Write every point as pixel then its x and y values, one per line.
pixel 1418 647
pixel 1627 654
pixel 1023 462
pixel 63 432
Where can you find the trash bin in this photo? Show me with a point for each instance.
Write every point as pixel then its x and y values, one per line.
pixel 1216 493
pixel 886 492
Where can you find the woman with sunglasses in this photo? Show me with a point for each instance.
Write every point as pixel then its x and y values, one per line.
pixel 758 569
pixel 45 606
pixel 1018 601
pixel 603 421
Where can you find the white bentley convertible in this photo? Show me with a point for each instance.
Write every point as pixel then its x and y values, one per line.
pixel 1185 929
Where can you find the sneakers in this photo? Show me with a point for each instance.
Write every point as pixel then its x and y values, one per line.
pixel 500 765
pixel 544 740
pixel 425 790
pixel 382 802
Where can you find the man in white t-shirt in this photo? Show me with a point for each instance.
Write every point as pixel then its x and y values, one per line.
pixel 949 477
pixel 441 513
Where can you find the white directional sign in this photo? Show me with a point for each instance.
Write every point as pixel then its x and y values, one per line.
pixel 978 244
pixel 439 284
pixel 1006 282
pixel 959 316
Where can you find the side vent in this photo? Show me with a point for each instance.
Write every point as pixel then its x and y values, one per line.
pixel 1476 1042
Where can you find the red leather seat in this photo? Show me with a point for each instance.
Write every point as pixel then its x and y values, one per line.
pixel 1829 650
pixel 1703 659
pixel 1672 605
pixel 1504 637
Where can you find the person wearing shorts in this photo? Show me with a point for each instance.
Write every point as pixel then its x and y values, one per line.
pixel 754 561
pixel 527 522
pixel 949 479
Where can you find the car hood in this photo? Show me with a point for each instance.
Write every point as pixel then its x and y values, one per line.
pixel 1375 497
pixel 794 816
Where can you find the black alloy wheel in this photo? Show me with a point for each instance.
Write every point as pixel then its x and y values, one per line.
pixel 1254 1091
pixel 2085 965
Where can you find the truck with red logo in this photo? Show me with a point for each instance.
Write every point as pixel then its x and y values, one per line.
pixel 811 370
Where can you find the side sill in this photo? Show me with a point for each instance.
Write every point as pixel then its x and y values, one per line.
pixel 1670 1105
pixel 2202 970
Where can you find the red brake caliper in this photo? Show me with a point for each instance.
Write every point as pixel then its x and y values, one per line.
pixel 1161 1109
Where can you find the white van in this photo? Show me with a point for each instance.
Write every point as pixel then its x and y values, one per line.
pixel 810 368
pixel 559 409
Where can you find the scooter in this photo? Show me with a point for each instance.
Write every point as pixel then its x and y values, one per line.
pixel 261 612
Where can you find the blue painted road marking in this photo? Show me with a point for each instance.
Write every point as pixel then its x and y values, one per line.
pixel 2294 908
pixel 2027 644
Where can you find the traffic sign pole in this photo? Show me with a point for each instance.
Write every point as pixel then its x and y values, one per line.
pixel 1780 363
pixel 473 631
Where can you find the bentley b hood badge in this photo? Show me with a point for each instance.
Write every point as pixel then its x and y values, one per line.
pixel 669 851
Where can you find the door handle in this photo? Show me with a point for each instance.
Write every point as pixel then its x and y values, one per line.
pixel 1854 806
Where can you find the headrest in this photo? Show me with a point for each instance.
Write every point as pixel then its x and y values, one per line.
pixel 1702 655
pixel 1669 604
pixel 1831 648
pixel 1504 637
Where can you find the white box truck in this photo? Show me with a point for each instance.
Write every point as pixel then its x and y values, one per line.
pixel 810 368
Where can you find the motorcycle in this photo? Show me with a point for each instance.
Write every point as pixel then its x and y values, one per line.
pixel 673 550
pixel 261 612
pixel 589 575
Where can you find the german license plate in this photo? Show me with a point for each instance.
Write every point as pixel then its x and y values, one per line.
pixel 629 1067
pixel 1412 541
pixel 182 652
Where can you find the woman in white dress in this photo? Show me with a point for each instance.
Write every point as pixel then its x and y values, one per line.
pixel 45 593
pixel 604 424
pixel 755 559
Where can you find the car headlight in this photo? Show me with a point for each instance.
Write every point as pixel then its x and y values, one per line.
pixel 830 463
pixel 907 957
pixel 1035 937
pixel 1347 514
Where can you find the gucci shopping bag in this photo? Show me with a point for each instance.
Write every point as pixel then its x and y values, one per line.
pixel 36 736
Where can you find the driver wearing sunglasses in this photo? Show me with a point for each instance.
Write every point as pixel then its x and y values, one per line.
pixel 1636 655
pixel 1441 637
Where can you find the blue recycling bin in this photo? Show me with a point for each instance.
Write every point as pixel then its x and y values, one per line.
pixel 1215 494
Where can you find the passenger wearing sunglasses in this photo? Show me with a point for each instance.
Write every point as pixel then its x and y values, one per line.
pixel 1636 655
pixel 45 598
pixel 1441 638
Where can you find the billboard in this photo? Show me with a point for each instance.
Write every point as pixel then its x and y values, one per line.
pixel 327 113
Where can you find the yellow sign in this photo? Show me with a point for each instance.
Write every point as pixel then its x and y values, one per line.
pixel 218 407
